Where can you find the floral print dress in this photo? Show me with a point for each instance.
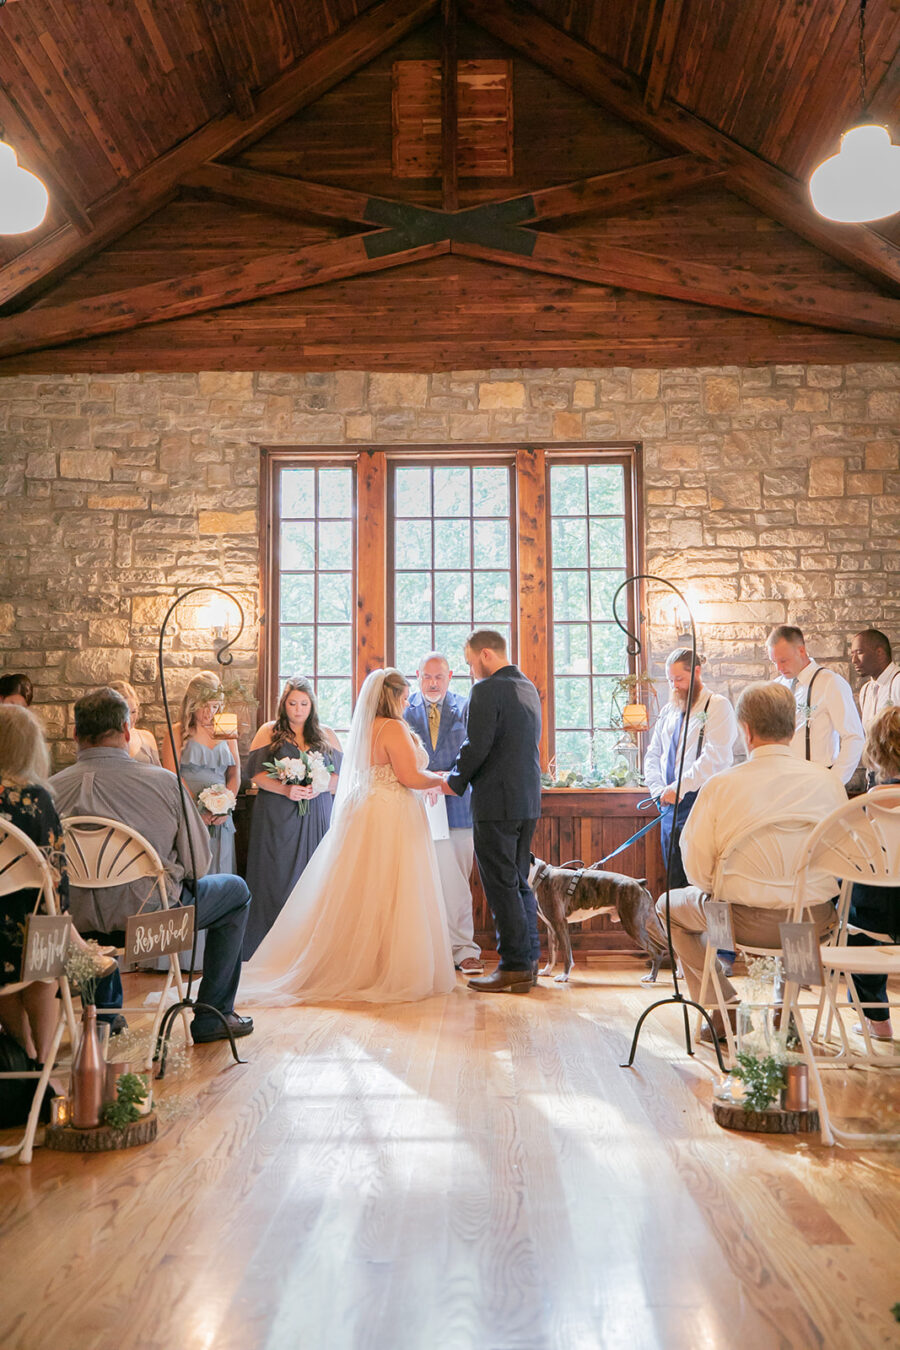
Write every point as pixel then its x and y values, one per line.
pixel 33 811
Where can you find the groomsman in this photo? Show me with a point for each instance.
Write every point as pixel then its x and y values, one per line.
pixel 439 718
pixel 828 728
pixel 711 731
pixel 870 653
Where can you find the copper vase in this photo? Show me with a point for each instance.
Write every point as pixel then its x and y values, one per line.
pixel 88 1073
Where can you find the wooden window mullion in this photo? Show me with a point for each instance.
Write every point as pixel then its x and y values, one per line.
pixel 371 565
pixel 531 556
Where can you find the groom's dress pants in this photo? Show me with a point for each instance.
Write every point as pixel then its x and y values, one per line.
pixel 503 854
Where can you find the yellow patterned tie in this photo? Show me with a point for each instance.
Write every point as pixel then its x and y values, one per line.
pixel 434 723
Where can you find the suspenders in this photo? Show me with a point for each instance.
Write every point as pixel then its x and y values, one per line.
pixel 809 687
pixel 699 751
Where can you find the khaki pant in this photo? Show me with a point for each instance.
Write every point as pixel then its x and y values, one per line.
pixel 455 856
pixel 751 926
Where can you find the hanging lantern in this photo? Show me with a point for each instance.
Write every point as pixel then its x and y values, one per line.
pixel 23 197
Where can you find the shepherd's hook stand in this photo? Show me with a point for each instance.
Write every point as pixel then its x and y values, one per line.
pixel 224 658
pixel 677 998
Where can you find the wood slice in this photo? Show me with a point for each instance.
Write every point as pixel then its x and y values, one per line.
pixel 66 1139
pixel 732 1116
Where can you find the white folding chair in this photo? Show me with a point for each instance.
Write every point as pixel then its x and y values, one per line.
pixel 103 853
pixel 858 842
pixel 765 857
pixel 24 867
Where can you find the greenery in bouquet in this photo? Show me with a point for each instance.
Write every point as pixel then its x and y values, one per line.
pixel 84 967
pixel 308 766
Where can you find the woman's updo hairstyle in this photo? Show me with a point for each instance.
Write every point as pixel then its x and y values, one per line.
pixel 393 690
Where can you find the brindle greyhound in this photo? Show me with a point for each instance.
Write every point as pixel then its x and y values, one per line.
pixel 569 894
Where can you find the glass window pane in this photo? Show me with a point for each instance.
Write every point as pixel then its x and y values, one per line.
pixel 334 703
pixel 412 641
pixel 296 597
pixel 490 491
pixel 491 604
pixel 451 543
pixel 573 751
pixel 412 543
pixel 606 489
pixel 569 539
pixel 335 544
pixel 571 649
pixel 451 491
pixel 335 497
pixel 603 752
pixel 412 492
pixel 450 640
pixel 335 597
pixel 297 654
pixel 572 702
pixel 452 596
pixel 609 643
pixel 567 490
pixel 491 543
pixel 604 713
pixel 298 546
pixel 570 595
pixel 334 648
pixel 462 685
pixel 603 587
pixel 412 596
pixel 298 492
pixel 607 542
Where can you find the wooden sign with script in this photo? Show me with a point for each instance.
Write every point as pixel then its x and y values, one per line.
pixel 800 953
pixel 46 943
pixel 160 933
pixel 718 925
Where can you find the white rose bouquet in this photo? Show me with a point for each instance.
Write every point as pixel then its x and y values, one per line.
pixel 309 767
pixel 217 799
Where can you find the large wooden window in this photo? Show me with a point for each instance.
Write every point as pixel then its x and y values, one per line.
pixel 376 557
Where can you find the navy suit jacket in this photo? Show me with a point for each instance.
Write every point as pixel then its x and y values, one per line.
pixel 451 734
pixel 500 755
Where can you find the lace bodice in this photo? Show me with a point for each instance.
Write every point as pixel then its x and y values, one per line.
pixel 383 778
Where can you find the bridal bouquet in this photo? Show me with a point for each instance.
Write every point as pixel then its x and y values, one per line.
pixel 309 767
pixel 217 799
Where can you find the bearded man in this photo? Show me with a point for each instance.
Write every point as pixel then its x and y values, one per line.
pixel 710 729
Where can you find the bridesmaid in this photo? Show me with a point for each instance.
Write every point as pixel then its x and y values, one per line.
pixel 281 840
pixel 206 759
pixel 142 745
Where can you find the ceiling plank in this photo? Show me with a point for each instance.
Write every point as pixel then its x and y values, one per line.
pixel 449 108
pixel 234 60
pixel 214 288
pixel 663 51
pixel 701 283
pixel 378 29
pixel 26 141
pixel 774 193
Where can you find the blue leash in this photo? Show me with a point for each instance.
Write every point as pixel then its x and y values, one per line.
pixel 645 829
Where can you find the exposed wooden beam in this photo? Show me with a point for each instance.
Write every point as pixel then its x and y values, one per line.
pixel 214 288
pixel 378 29
pixel 449 108
pixel 273 192
pixel 609 193
pixel 234 60
pixel 700 283
pixel 663 51
pixel 765 187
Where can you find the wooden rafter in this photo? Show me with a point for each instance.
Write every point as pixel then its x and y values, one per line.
pixel 762 185
pixel 231 51
pixel 663 51
pixel 449 108
pixel 378 29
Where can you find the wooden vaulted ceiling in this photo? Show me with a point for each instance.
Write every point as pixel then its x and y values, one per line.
pixel 224 194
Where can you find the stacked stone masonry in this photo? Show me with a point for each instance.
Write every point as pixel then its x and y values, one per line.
pixel 773 492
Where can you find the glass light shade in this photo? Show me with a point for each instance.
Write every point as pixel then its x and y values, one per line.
pixel 225 724
pixel 634 717
pixel 862 182
pixel 23 197
pixel 215 615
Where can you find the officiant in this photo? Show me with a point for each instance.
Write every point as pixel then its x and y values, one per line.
pixel 438 716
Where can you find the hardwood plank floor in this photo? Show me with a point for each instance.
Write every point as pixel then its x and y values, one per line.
pixel 470 1171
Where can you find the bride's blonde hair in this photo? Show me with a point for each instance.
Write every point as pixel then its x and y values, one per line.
pixel 392 690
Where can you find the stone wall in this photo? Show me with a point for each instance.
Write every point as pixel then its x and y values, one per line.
pixel 774 493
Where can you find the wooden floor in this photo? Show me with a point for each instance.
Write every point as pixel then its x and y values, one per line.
pixel 471 1171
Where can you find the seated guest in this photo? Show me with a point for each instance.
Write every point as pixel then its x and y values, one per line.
pixel 106 781
pixel 711 733
pixel 16 689
pixel 827 729
pixel 30 1014
pixel 769 786
pixel 877 908
pixel 870 653
pixel 142 745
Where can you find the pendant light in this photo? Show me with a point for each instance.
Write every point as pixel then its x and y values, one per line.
pixel 862 181
pixel 23 197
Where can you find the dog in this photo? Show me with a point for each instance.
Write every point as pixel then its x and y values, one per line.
pixel 569 894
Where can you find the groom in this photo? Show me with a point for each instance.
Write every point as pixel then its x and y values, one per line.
pixel 499 758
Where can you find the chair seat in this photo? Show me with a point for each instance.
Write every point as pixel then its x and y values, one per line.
pixel 862 960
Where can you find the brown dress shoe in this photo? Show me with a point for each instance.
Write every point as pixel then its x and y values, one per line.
pixel 504 982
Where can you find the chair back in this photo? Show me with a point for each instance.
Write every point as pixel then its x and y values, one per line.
pixel 765 857
pixel 102 852
pixel 24 867
pixel 859 841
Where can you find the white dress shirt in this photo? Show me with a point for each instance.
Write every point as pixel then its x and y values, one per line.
pixel 836 736
pixel 712 712
pixel 772 784
pixel 883 691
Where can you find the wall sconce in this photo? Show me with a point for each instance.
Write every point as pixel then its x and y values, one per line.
pixel 216 617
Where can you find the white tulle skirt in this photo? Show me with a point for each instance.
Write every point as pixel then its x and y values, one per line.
pixel 366 921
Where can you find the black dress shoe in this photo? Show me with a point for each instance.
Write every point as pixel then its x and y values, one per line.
pixel 215 1030
pixel 504 982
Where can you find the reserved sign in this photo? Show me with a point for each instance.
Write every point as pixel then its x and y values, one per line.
pixel 46 943
pixel 800 953
pixel 718 925
pixel 159 934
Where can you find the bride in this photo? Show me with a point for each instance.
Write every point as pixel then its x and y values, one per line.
pixel 366 920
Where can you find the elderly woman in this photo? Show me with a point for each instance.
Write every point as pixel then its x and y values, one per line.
pixel 876 909
pixel 142 745
pixel 206 760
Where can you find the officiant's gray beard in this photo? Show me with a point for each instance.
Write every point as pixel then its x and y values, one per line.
pixel 679 697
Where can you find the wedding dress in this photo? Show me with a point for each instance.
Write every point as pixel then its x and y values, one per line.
pixel 366 920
